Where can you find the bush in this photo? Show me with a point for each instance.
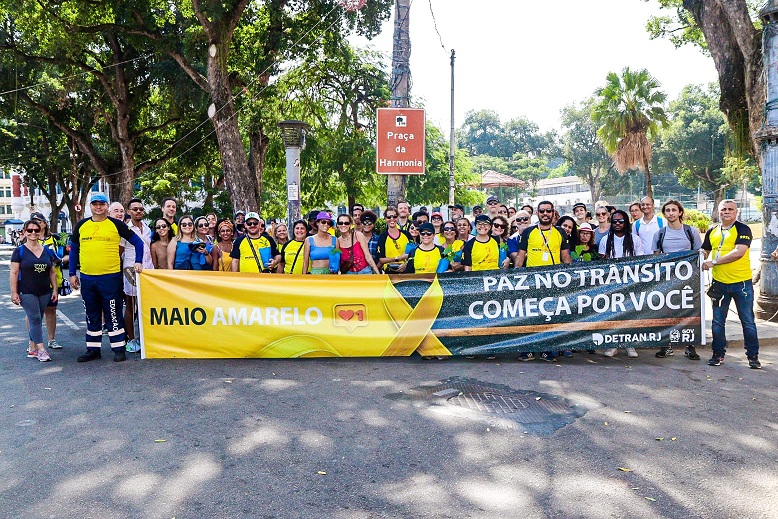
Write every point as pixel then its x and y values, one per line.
pixel 697 219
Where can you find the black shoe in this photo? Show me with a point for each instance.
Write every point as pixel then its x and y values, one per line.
pixel 526 357
pixel 119 355
pixel 716 360
pixel 548 356
pixel 753 362
pixel 691 353
pixel 91 354
pixel 661 354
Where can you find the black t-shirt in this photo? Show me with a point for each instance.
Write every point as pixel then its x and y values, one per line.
pixel 34 271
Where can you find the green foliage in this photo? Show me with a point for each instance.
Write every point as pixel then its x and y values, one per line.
pixel 482 133
pixel 697 219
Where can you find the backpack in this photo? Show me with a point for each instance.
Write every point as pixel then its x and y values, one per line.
pixel 662 232
pixel 659 221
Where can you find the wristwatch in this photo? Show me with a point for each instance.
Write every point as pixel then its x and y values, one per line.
pixel 714 262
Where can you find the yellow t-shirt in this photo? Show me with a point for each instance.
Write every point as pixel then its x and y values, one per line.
pixel 720 242
pixel 543 247
pixel 426 262
pixel 290 251
pixel 242 251
pixel 98 245
pixel 389 247
pixel 481 256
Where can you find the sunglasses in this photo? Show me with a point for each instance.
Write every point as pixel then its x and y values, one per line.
pixel 367 222
pixel 254 224
pixel 449 229
pixel 523 219
pixel 498 225
pixel 390 217
pixel 344 223
pixel 158 227
pixel 492 203
pixel 202 225
pixel 187 224
pixel 601 214
pixel 31 230
pixel 329 223
pixel 618 220
pixel 545 211
pixel 425 233
pixel 137 209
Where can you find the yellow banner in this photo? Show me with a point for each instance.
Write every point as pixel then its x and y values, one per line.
pixel 188 314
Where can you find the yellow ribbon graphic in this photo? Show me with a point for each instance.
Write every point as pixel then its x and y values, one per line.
pixel 414 324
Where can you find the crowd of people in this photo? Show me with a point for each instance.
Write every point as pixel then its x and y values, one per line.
pixel 107 248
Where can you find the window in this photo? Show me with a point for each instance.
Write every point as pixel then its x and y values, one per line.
pixel 2 209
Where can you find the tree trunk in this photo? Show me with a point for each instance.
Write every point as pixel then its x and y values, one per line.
pixel 649 185
pixel 736 48
pixel 258 143
pixel 401 85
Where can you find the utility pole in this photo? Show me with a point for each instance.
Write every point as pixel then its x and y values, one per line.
pixel 452 139
pixel 401 84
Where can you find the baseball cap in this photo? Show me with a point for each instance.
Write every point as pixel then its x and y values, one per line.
pixel 457 206
pixel 99 197
pixel 584 227
pixel 483 218
pixel 252 215
pixel 239 211
pixel 579 204
pixel 368 216
pixel 313 215
pixel 492 199
pixel 39 216
pixel 437 213
pixel 426 226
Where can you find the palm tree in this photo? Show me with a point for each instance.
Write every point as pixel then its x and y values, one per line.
pixel 630 110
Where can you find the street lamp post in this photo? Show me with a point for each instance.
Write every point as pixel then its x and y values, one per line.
pixel 293 135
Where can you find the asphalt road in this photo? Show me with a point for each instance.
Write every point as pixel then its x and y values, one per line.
pixel 319 438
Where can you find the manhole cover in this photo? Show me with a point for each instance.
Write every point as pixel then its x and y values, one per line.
pixel 499 405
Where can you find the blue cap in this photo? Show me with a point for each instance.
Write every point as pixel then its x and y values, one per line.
pixel 99 197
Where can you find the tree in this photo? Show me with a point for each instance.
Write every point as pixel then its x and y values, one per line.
pixel 629 110
pixel 695 143
pixel 730 31
pixel 582 149
pixel 482 133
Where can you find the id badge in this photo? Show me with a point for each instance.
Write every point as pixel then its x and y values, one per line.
pixel 718 255
pixel 545 256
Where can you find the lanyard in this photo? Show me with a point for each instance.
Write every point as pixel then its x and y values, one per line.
pixel 545 241
pixel 723 237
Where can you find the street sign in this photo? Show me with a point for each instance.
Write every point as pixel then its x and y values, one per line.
pixel 400 148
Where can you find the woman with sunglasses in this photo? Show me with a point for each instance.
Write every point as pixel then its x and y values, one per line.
pixel 413 232
pixel 32 279
pixel 355 255
pixel 291 252
pixel 425 258
pixel 603 217
pixel 391 244
pixel 221 261
pixel 185 251
pixel 437 222
pixel 586 250
pixel 160 240
pixel 500 232
pixel 452 246
pixel 61 251
pixel 522 221
pixel 318 248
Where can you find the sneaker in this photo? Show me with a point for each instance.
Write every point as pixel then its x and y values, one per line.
pixel 31 354
pixel 663 352
pixel 631 353
pixel 610 352
pixel 670 351
pixel 567 353
pixel 43 356
pixel 716 360
pixel 91 354
pixel 526 357
pixel 753 362
pixel 54 345
pixel 119 355
pixel 548 356
pixel 490 357
pixel 691 353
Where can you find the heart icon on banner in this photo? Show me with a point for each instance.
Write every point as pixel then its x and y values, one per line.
pixel 350 316
pixel 346 315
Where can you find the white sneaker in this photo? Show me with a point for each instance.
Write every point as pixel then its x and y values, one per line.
pixel 610 352
pixel 54 345
pixel 133 346
pixel 631 353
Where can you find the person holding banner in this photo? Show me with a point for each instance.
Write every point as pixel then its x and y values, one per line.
pixel 483 251
pixel 355 257
pixel 291 252
pixel 541 245
pixel 392 243
pixel 255 251
pixel 222 248
pixel 676 236
pixel 452 246
pixel 619 243
pixel 728 245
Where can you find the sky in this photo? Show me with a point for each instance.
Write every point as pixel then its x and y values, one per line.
pixel 529 58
